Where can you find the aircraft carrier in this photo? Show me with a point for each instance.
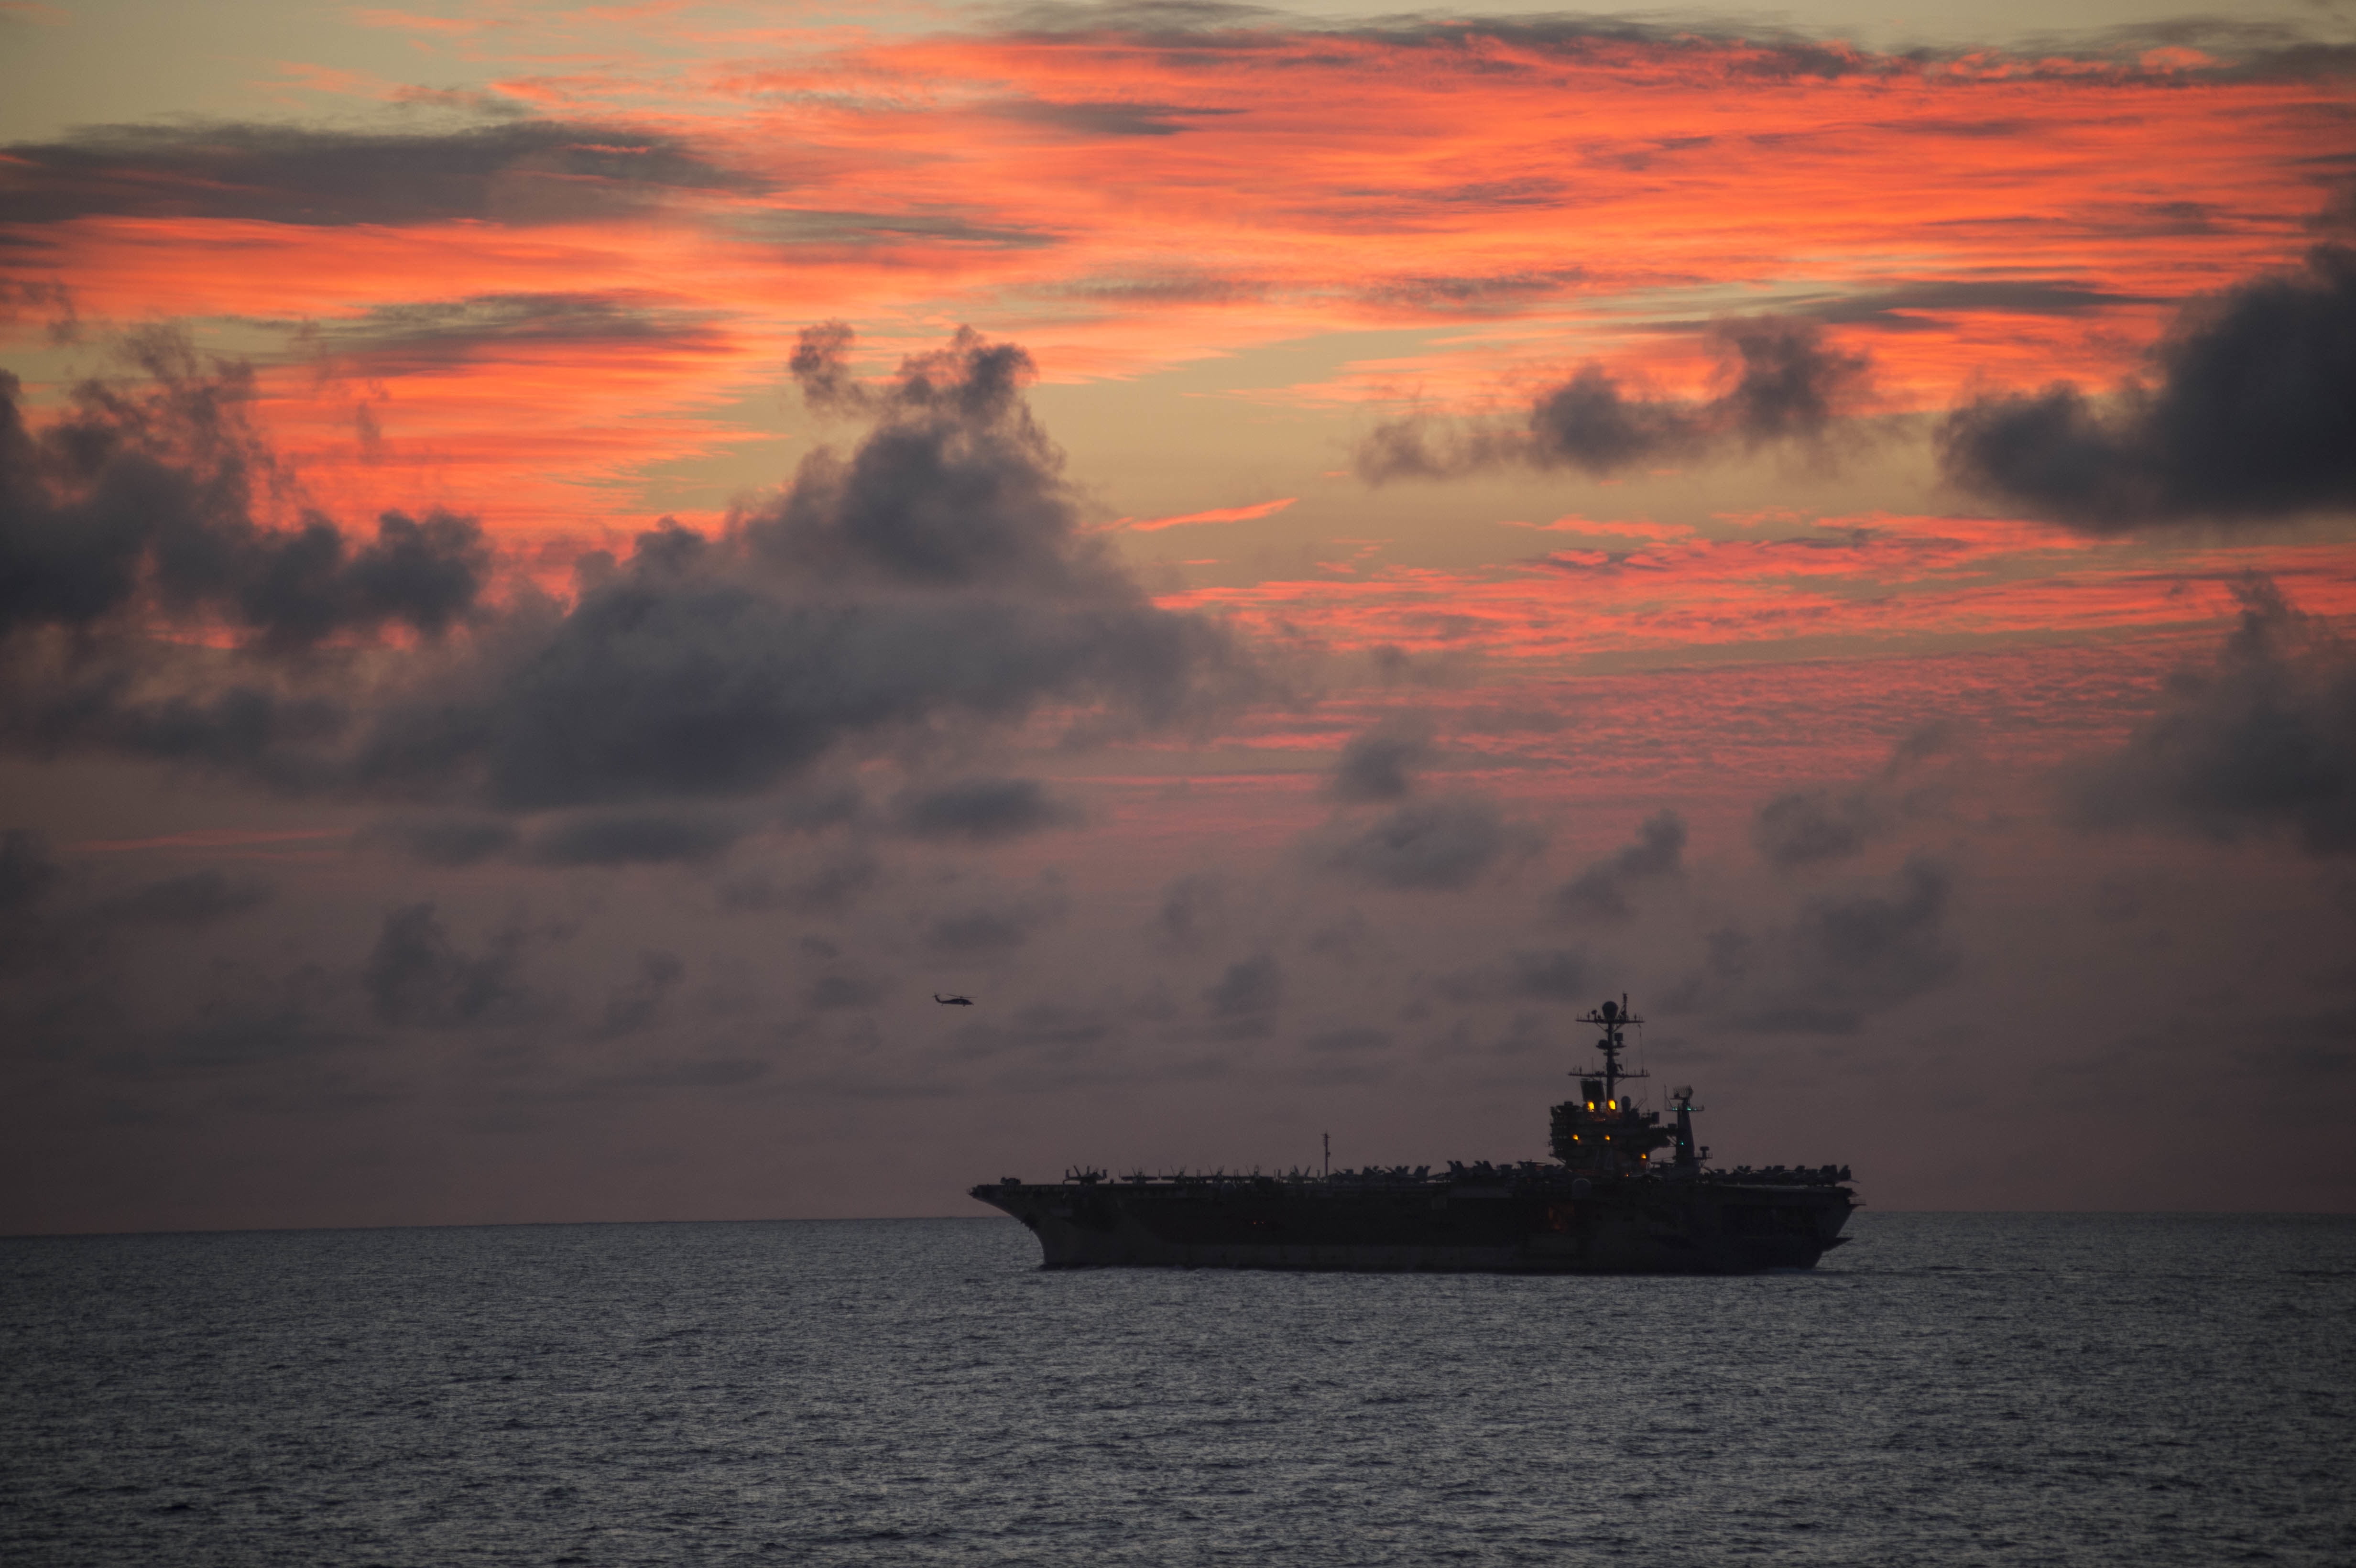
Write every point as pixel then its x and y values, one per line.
pixel 1624 1194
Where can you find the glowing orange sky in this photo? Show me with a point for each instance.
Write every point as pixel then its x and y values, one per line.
pixel 1459 213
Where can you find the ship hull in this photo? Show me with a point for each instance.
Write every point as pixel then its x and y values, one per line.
pixel 1647 1226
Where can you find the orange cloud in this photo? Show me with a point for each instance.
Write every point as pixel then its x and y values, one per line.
pixel 1501 201
pixel 1215 515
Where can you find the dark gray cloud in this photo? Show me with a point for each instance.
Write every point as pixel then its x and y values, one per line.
pixel 995 926
pixel 169 703
pixel 446 840
pixel 921 224
pixel 983 810
pixel 1822 823
pixel 251 1019
pixel 1375 765
pixel 2230 48
pixel 1811 826
pixel 1152 285
pixel 2236 49
pixel 1590 425
pixel 29 874
pixel 632 838
pixel 820 366
pixel 1436 845
pixel 1481 292
pixel 700 684
pixel 1193 908
pixel 1872 950
pixel 66 942
pixel 304 588
pixel 2337 215
pixel 636 1004
pixel 955 485
pixel 26 871
pixel 1553 974
pixel 47 301
pixel 1787 381
pixel 199 897
pixel 1921 305
pixel 1602 891
pixel 829 887
pixel 1251 987
pixel 428 336
pixel 2263 741
pixel 416 978
pixel 524 171
pixel 146 493
pixel 1792 381
pixel 1547 975
pixel 934 577
pixel 2247 418
pixel 1842 956
pixel 1107 118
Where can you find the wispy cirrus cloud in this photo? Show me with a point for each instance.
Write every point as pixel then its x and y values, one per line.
pixel 1250 514
pixel 615 261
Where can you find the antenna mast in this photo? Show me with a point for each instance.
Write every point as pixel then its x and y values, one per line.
pixel 1613 1019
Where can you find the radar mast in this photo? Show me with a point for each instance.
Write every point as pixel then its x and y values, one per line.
pixel 1613 1019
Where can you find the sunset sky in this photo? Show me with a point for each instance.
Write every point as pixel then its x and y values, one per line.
pixel 564 570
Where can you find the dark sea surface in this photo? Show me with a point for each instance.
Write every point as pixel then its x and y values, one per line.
pixel 1949 1389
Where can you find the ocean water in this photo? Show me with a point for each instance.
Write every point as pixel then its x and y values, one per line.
pixel 1949 1389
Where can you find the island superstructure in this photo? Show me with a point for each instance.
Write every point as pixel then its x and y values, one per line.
pixel 1626 1193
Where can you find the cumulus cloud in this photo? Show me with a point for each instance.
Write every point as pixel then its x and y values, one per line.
pixel 1378 765
pixel 1553 974
pixel 1601 893
pixel 983 810
pixel 1805 828
pixel 1437 845
pixel 1784 381
pixel 956 485
pixel 820 366
pixel 2264 740
pixel 1809 827
pixel 147 493
pixel 934 577
pixel 1843 955
pixel 1251 987
pixel 2246 418
pixel 1192 908
pixel 417 977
